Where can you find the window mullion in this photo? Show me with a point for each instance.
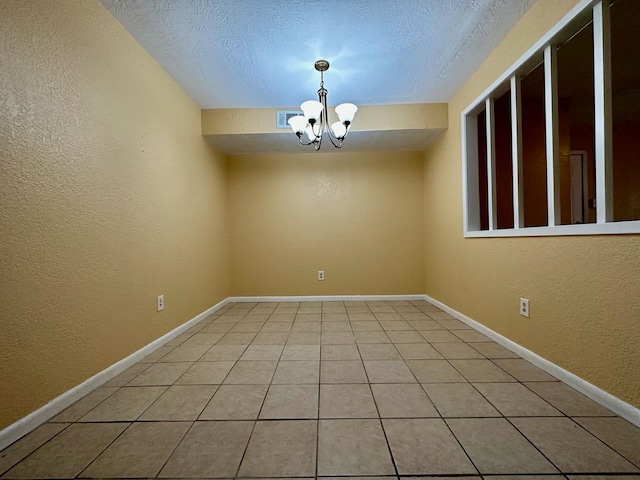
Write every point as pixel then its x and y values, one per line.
pixel 491 163
pixel 516 151
pixel 552 133
pixel 603 116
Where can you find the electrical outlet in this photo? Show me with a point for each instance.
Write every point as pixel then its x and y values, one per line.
pixel 524 307
pixel 320 274
pixel 160 303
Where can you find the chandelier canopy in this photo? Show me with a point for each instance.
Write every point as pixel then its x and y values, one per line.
pixel 315 122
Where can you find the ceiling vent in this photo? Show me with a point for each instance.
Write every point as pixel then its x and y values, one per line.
pixel 283 116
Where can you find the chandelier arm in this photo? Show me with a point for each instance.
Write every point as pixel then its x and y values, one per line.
pixel 337 145
pixel 303 143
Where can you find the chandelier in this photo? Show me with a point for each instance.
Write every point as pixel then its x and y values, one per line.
pixel 315 122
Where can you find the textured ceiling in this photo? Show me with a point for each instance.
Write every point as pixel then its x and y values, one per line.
pixel 260 53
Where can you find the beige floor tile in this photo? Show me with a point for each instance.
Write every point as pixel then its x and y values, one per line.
pixel 336 326
pixel 263 338
pixel 180 402
pixel 308 317
pixel 366 326
pixel 402 401
pixel 384 310
pixel 516 400
pixel 388 371
pixel 434 371
pixel 457 350
pixel 84 405
pixel 66 455
pixel 452 324
pixel 160 374
pixel 282 318
pixel 203 339
pixel 127 404
pixel 619 434
pixel 459 400
pixel 418 351
pixel 262 352
pixel 439 336
pixel 381 307
pixel 567 400
pixel 276 327
pixel 481 371
pixel 440 315
pixel 301 352
pixel 196 328
pixel 422 325
pixel 209 449
pixel 493 350
pixel 347 401
pixel 303 339
pixel 337 338
pixel 129 374
pixel 388 316
pixel 217 328
pixel 222 353
pixel 236 339
pixel 603 477
pixel 371 337
pixel 281 449
pixel 570 447
pixel 379 351
pixel 425 447
pixel 186 353
pixel 400 336
pixel 360 317
pixel 496 447
pixel 140 451
pixel 471 336
pixel 178 340
pixel 340 352
pixel 342 371
pixel 206 373
pixel 253 372
pixel 306 327
pixel 290 401
pixel 528 477
pixel 29 443
pixel 353 447
pixel 235 402
pixel 392 325
pixel 356 308
pixel 297 372
pixel 247 327
pixel 523 371
pixel 414 316
pixel 337 316
pixel 156 355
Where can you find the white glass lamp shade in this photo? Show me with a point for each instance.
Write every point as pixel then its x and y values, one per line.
pixel 298 124
pixel 338 129
pixel 311 109
pixel 311 134
pixel 346 112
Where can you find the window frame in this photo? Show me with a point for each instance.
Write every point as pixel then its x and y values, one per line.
pixel 546 48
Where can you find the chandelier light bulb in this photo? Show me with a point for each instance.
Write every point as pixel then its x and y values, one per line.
pixel 298 124
pixel 346 112
pixel 338 129
pixel 312 110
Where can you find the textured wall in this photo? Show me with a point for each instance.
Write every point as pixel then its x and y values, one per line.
pixel 108 197
pixel 357 216
pixel 584 291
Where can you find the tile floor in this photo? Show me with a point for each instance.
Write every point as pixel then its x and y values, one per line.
pixel 331 389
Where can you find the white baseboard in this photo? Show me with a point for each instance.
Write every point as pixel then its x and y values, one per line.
pixel 327 298
pixel 26 424
pixel 620 407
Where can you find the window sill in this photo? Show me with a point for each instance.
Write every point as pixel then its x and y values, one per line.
pixel 613 228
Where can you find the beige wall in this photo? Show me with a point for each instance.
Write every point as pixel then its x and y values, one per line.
pixel 108 197
pixel 584 291
pixel 357 216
